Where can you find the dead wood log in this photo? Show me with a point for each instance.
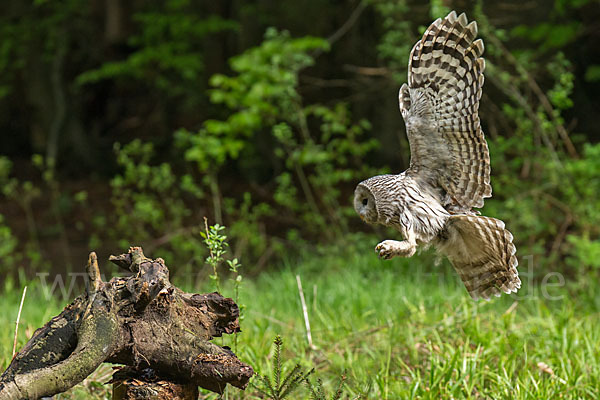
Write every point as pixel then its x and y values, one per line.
pixel 131 384
pixel 141 321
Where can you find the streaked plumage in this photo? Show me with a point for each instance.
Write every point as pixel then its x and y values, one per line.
pixel 449 173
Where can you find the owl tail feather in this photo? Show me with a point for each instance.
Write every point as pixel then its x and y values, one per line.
pixel 482 252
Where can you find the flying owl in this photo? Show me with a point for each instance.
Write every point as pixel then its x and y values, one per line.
pixel 431 203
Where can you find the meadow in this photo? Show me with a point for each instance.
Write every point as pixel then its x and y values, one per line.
pixel 398 329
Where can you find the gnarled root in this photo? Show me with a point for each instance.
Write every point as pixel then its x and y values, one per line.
pixel 141 321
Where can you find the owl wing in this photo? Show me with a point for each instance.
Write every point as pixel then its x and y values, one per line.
pixel 481 250
pixel 440 108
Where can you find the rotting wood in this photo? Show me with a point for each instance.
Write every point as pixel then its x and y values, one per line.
pixel 141 321
pixel 131 384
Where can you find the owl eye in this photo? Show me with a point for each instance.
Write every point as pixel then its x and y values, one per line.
pixel 365 202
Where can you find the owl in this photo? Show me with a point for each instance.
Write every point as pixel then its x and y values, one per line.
pixel 431 203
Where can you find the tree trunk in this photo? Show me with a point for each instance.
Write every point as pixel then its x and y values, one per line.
pixel 141 321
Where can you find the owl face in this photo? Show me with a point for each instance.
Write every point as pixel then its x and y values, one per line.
pixel 365 205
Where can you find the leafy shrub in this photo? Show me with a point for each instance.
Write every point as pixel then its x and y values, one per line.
pixel 311 150
pixel 167 50
pixel 542 185
pixel 22 193
pixel 8 247
pixel 149 208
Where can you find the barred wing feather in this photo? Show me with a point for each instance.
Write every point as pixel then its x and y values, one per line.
pixel 440 108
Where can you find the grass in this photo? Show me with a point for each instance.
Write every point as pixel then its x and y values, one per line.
pixel 397 330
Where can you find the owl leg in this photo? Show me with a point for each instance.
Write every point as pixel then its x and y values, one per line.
pixel 393 248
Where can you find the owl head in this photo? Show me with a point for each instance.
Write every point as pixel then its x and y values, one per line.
pixel 364 204
pixel 371 197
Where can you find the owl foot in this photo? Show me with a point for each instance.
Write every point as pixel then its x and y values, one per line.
pixel 393 248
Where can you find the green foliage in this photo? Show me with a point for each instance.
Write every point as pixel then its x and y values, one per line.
pixel 23 194
pixel 584 252
pixel 539 179
pixel 8 247
pixel 320 166
pixel 264 89
pixel 236 278
pixel 438 9
pixel 317 391
pixel 274 387
pixel 248 228
pixel 149 208
pixel 398 38
pixel 217 246
pixel 558 30
pixel 592 73
pixel 215 242
pixel 583 247
pixel 549 35
pixel 37 27
pixel 265 86
pixel 560 95
pixel 61 202
pixel 168 50
pixel 8 48
pixel 315 148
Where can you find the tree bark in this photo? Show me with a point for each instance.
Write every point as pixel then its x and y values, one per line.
pixel 130 384
pixel 141 321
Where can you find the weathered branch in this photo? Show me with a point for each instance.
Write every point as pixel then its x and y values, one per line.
pixel 96 343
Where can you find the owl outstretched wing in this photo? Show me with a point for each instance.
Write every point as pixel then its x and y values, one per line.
pixel 481 250
pixel 440 108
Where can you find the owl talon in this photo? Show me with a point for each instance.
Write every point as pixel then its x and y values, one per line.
pixel 392 248
pixel 385 249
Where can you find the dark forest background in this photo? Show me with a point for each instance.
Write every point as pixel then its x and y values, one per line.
pixel 127 122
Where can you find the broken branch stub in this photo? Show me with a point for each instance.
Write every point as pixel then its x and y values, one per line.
pixel 141 321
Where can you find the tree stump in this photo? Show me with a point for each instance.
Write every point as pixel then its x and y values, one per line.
pixel 130 384
pixel 141 321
